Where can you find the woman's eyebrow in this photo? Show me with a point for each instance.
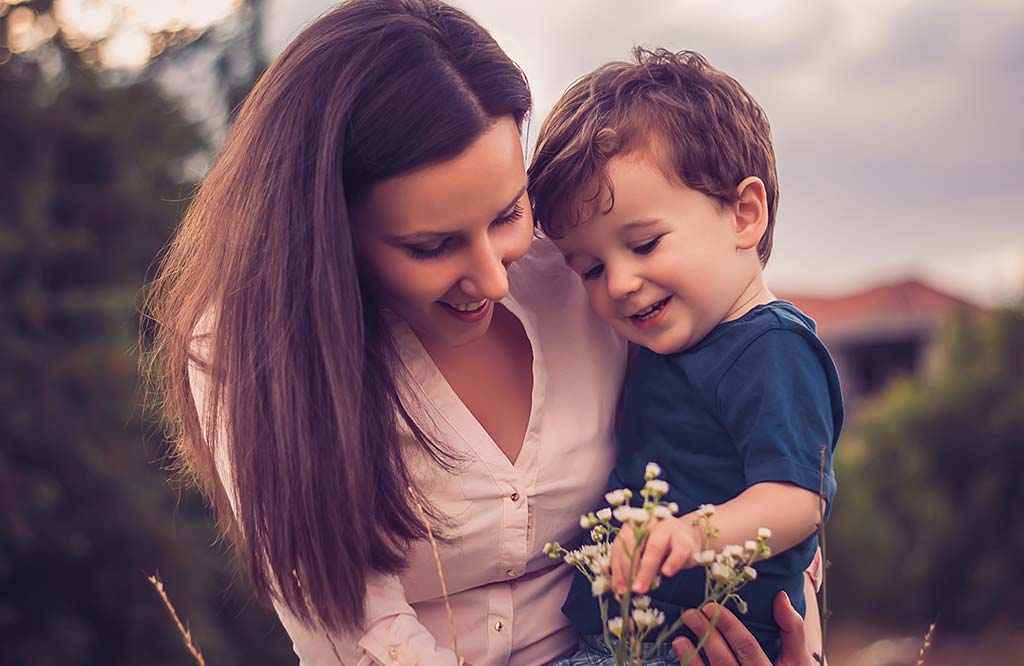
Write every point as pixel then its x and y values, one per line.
pixel 418 236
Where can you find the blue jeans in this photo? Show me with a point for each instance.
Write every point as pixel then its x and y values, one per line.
pixel 593 652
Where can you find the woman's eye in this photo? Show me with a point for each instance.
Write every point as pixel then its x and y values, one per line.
pixel 594 272
pixel 428 252
pixel 648 247
pixel 516 213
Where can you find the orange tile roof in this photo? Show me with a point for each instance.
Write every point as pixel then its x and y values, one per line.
pixel 910 304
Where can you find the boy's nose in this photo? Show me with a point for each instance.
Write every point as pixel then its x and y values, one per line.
pixel 621 283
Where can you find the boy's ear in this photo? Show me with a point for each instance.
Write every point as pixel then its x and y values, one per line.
pixel 750 213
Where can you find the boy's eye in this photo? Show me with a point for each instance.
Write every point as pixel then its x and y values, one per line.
pixel 593 273
pixel 647 247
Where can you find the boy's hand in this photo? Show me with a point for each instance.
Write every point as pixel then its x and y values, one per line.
pixel 670 546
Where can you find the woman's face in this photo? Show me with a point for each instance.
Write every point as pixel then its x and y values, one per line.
pixel 436 241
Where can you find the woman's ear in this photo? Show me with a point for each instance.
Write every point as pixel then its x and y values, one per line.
pixel 750 213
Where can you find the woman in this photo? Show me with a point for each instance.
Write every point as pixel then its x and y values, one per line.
pixel 359 337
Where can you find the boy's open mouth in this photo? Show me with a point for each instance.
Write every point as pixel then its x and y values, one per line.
pixel 652 311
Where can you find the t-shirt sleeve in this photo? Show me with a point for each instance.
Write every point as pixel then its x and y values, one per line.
pixel 776 403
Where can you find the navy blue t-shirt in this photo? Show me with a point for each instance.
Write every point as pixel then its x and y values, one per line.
pixel 754 401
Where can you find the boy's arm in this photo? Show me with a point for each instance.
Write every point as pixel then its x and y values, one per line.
pixel 792 514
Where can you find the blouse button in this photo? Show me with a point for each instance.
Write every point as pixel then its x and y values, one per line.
pixel 511 573
pixel 514 497
pixel 393 653
pixel 498 626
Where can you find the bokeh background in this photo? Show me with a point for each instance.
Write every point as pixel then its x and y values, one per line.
pixel 900 150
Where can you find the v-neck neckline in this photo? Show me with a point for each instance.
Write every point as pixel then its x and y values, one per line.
pixel 448 406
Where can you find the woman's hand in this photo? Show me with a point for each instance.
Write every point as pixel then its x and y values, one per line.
pixel 730 644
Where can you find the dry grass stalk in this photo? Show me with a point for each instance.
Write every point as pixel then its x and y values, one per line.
pixel 309 604
pixel 823 611
pixel 185 633
pixel 440 572
pixel 925 644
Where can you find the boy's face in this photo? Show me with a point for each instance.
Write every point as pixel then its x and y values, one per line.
pixel 664 266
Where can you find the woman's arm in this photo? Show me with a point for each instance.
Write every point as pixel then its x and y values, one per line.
pixel 391 634
pixel 392 637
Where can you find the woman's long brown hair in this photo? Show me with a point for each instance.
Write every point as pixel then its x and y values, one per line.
pixel 299 367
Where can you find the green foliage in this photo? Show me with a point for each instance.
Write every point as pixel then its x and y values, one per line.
pixel 930 517
pixel 91 187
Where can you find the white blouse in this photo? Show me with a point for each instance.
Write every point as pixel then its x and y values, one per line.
pixel 505 593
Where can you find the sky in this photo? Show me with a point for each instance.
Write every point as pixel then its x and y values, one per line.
pixel 896 123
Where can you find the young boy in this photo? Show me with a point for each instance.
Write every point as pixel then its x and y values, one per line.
pixel 656 179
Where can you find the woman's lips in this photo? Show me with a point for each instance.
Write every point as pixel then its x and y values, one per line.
pixel 468 316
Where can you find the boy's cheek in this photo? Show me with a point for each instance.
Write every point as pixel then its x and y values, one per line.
pixel 599 303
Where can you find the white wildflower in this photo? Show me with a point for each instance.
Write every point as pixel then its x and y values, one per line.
pixel 617 497
pixel 604 514
pixel 750 546
pixel 652 470
pixel 648 618
pixel 642 602
pixel 638 515
pixel 764 533
pixel 623 513
pixel 704 557
pixel 661 512
pixel 720 572
pixel 573 558
pixel 615 626
pixel 587 521
pixel 750 573
pixel 733 551
pixel 673 507
pixel 706 510
pixel 599 586
pixel 657 486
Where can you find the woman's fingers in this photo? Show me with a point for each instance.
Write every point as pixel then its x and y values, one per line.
pixel 791 627
pixel 686 652
pixel 731 643
pixel 715 647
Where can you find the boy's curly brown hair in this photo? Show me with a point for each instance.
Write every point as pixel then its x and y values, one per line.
pixel 698 123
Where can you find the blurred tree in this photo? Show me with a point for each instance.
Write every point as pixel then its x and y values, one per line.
pixel 91 185
pixel 930 517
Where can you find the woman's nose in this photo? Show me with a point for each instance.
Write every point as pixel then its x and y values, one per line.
pixel 486 275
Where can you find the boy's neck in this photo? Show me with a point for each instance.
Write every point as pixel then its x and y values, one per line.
pixel 755 293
